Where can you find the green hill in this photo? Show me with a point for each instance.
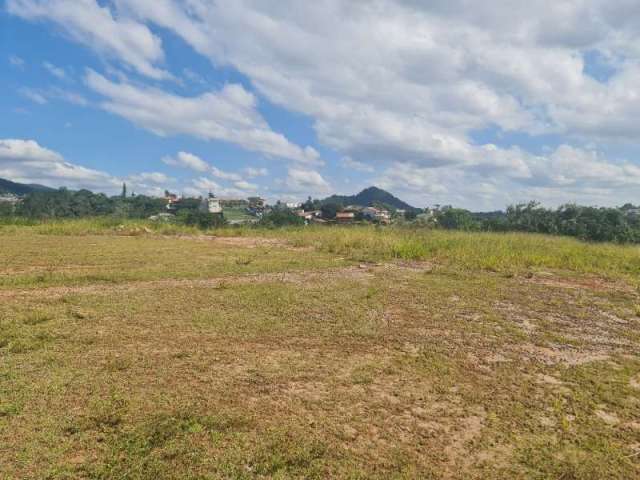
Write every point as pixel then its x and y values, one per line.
pixel 7 186
pixel 370 196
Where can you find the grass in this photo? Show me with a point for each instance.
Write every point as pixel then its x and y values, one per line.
pixel 315 353
pixel 498 252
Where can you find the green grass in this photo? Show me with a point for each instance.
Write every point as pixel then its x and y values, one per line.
pixel 499 252
pixel 316 353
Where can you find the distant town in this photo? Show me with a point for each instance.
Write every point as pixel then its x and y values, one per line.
pixel 252 209
pixel 372 205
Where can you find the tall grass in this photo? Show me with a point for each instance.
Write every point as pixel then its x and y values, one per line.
pixel 501 252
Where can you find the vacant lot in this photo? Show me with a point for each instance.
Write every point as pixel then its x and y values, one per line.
pixel 330 353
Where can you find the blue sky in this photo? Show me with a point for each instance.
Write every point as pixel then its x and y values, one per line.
pixel 286 99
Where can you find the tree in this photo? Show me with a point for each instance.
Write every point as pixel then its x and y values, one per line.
pixel 309 205
pixel 329 210
pixel 456 219
pixel 281 218
pixel 411 215
pixel 6 209
pixel 196 218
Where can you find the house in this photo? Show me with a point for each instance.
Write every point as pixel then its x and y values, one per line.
pixel 345 217
pixel 211 204
pixel 281 205
pixel 376 215
pixel 309 216
pixel 172 200
pixel 9 198
pixel 352 208
pixel 256 203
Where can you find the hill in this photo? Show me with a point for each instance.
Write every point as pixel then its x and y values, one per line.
pixel 7 186
pixel 370 196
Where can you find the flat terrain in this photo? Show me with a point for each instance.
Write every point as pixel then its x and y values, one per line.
pixel 328 353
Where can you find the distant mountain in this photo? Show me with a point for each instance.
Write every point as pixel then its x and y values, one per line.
pixel 7 186
pixel 370 196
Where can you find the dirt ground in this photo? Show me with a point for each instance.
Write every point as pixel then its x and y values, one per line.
pixel 247 358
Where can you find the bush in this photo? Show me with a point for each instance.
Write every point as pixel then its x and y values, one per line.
pixel 281 218
pixel 456 219
pixel 195 218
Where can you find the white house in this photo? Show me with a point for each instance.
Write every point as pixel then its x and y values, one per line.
pixel 211 204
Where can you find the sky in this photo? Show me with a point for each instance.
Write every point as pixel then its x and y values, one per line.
pixel 474 104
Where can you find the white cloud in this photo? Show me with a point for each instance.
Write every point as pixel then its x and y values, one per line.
pixel 303 181
pixel 406 82
pixel 566 174
pixel 33 95
pixel 26 161
pixel 204 183
pixel 193 162
pixel 150 177
pixel 16 61
pixel 216 172
pixel 86 22
pixel 43 96
pixel 229 115
pixel 57 72
pixel 252 172
pixel 350 163
pixel 193 76
pixel 395 86
pixel 244 185
pixel 187 160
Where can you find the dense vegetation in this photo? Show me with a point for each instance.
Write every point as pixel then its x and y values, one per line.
pixel 65 203
pixel 620 225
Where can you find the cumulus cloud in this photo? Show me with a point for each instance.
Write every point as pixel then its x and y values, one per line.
pixel 350 163
pixel 26 161
pixel 302 180
pixel 229 115
pixel 244 185
pixel 216 172
pixel 150 177
pixel 394 86
pixel 252 172
pixel 187 160
pixel 193 162
pixel 204 183
pixel 86 22
pixel 565 174
pixel 426 75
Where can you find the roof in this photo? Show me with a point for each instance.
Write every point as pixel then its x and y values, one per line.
pixel 345 215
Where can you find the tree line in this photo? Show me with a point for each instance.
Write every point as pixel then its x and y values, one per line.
pixel 621 225
pixel 65 203
pixel 600 224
